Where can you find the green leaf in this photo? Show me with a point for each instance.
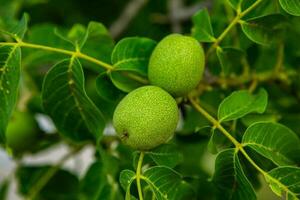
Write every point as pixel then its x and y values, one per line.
pixel 132 54
pixel 63 185
pixel 76 36
pixel 99 181
pixel 167 155
pixel 285 182
pixel 18 30
pixel 94 40
pixel 291 6
pixel 10 64
pixel 93 181
pixel 10 67
pixel 65 100
pixel 106 88
pixel 110 162
pixel 202 29
pixel 235 4
pixel 194 122
pixel 123 82
pixel 166 183
pixel 38 33
pixel 264 30
pixel 230 59
pixel 96 185
pixel 109 192
pixel 35 59
pixel 264 8
pixel 126 179
pixel 274 141
pixel 241 103
pixel 98 44
pixel 253 118
pixel 230 179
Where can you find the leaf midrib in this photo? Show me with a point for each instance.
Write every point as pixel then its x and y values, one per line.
pixel 72 90
pixel 129 60
pixel 153 185
pixel 268 149
pixel 3 69
pixel 237 110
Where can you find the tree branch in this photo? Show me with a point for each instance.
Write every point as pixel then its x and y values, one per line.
pixel 40 184
pixel 129 12
pixel 238 145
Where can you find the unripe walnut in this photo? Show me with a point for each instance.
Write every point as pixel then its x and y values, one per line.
pixel 176 64
pixel 21 131
pixel 146 117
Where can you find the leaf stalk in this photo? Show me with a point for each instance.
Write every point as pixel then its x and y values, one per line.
pixel 230 26
pixel 138 175
pixel 77 54
pixel 238 145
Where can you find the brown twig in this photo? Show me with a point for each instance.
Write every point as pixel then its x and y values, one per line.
pixel 129 12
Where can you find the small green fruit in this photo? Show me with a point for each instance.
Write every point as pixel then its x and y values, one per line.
pixel 21 131
pixel 176 64
pixel 146 117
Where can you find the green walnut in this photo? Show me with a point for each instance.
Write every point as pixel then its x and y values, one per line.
pixel 21 131
pixel 176 64
pixel 146 117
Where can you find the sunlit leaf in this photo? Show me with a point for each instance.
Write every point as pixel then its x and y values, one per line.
pixel 274 141
pixel 291 6
pixel 132 54
pixel 38 33
pixel 285 182
pixel 241 103
pixel 76 36
pixel 18 30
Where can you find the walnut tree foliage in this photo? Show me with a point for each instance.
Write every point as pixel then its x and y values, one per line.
pixel 243 117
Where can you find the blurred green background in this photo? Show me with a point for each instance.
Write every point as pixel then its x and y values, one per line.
pixel 150 20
